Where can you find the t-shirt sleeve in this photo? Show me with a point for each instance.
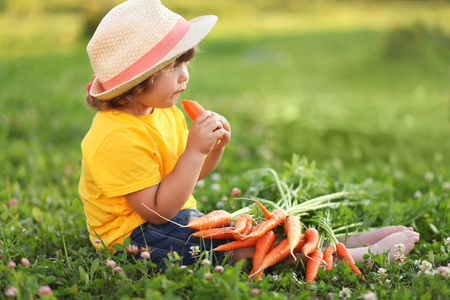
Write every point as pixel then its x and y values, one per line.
pixel 126 162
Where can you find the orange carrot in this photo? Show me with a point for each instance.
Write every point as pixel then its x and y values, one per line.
pixel 342 252
pixel 248 228
pixel 313 266
pixel 216 218
pixel 266 213
pixel 328 257
pixel 301 243
pixel 293 229
pixel 216 233
pixel 277 254
pixel 192 108
pixel 262 247
pixel 312 238
pixel 277 217
pixel 242 226
pixel 237 245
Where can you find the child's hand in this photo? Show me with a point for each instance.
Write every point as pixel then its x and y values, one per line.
pixel 226 137
pixel 206 131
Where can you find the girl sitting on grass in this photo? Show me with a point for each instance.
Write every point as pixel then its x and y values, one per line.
pixel 140 161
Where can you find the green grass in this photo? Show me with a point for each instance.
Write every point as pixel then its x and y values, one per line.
pixel 367 101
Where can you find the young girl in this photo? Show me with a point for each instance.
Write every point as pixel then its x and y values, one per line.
pixel 140 163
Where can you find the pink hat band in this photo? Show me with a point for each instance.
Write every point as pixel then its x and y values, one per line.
pixel 135 40
pixel 150 58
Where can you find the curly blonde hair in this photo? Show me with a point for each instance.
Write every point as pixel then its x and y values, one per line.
pixel 129 98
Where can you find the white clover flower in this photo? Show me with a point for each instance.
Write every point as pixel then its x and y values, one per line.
pixel 345 293
pixel 369 180
pixel 400 248
pixel 218 269
pixel 417 263
pixel 418 194
pixel 220 205
pixel 323 265
pixel 216 177
pixel 224 199
pixel 145 254
pixel 369 295
pixel 398 174
pixel 425 267
pixel 200 183
pixel 429 176
pixel 215 187
pixel 382 273
pixel 206 262
pixel 444 271
pixel 399 256
pixel 195 250
pixel 446 186
pixel 447 241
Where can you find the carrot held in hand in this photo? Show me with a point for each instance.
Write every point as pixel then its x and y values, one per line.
pixel 328 257
pixel 313 266
pixel 312 238
pixel 342 252
pixel 216 218
pixel 192 108
pixel 293 229
pixel 262 247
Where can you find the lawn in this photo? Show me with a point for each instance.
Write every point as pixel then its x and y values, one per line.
pixel 329 96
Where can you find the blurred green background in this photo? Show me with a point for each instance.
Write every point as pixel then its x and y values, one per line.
pixel 362 87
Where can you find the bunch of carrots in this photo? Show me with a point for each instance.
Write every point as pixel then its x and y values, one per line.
pixel 244 233
pixel 216 225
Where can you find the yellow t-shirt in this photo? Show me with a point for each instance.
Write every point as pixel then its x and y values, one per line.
pixel 124 153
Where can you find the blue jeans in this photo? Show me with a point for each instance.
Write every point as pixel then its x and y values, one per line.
pixel 169 237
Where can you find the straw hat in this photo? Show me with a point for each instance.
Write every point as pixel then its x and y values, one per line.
pixel 135 40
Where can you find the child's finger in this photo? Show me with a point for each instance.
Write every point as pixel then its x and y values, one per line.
pixel 213 123
pixel 203 116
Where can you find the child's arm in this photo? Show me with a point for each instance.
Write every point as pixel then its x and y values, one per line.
pixel 168 197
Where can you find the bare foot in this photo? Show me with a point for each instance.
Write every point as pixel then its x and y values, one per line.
pixel 242 253
pixel 406 237
pixel 372 237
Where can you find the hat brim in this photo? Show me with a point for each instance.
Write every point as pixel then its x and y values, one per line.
pixel 200 27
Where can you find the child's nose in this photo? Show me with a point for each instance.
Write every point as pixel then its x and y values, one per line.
pixel 184 74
